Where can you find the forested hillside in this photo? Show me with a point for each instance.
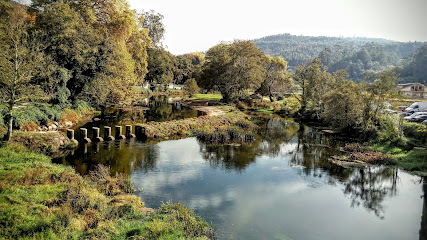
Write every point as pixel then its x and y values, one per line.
pixel 357 55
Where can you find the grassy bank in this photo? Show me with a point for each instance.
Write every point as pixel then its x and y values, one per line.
pixel 40 200
pixel 188 127
pixel 411 160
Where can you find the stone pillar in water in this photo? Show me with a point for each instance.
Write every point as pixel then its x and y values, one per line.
pixel 84 138
pixel 70 135
pixel 119 135
pixel 96 137
pixel 140 132
pixel 129 134
pixel 107 134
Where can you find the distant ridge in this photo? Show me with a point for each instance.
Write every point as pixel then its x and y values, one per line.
pixel 357 55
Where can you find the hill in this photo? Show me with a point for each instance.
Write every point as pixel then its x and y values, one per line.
pixel 357 55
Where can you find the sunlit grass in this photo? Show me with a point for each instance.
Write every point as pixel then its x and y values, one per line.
pixel 412 160
pixel 210 97
pixel 41 200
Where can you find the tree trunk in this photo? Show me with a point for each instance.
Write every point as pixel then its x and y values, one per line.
pixel 9 124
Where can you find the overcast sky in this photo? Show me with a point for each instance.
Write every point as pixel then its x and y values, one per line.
pixel 197 25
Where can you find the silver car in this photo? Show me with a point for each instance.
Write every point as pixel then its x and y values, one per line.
pixel 414 115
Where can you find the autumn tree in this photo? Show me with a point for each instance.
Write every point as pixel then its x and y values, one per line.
pixel 101 43
pixel 234 69
pixel 276 79
pixel 19 57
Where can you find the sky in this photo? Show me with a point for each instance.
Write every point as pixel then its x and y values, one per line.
pixel 197 25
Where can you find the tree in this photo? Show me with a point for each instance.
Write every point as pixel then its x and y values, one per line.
pixel 191 87
pixel 315 81
pixel 161 65
pixel 276 79
pixel 156 29
pixel 378 89
pixel 343 104
pixel 234 69
pixel 19 57
pixel 101 44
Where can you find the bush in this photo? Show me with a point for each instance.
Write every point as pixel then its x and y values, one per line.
pixel 416 132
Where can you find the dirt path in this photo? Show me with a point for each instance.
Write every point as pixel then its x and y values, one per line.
pixel 209 110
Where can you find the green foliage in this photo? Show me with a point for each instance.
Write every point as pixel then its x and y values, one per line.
pixel 356 55
pixel 160 66
pixel 101 45
pixel 277 80
pixel 234 69
pixel 39 113
pixel 19 60
pixel 414 71
pixel 191 87
pixel 411 160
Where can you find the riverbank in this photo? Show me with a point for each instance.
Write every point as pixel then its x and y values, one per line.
pixel 41 200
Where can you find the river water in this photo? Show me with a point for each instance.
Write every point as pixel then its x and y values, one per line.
pixel 280 187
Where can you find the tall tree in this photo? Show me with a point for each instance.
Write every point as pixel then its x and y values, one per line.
pixel 379 88
pixel 315 81
pixel 277 79
pixel 156 29
pixel 234 69
pixel 19 57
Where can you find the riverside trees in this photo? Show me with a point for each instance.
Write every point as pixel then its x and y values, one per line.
pixel 239 68
pixel 70 50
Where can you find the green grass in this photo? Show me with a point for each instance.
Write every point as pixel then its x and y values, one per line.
pixel 41 200
pixel 412 160
pixel 210 97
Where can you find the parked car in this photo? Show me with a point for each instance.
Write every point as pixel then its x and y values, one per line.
pixel 390 111
pixel 415 115
pixel 425 122
pixel 419 118
pixel 405 114
pixel 417 107
pixel 402 108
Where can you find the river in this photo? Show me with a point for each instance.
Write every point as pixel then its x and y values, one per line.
pixel 282 186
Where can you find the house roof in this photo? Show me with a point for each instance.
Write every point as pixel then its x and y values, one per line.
pixel 408 84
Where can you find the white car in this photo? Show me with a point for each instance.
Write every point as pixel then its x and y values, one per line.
pixel 425 122
pixel 417 107
pixel 415 115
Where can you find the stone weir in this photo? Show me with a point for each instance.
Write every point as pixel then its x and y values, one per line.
pixel 157 129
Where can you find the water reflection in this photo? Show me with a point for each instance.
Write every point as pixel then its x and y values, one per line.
pixel 423 230
pixel 370 186
pixel 238 157
pixel 124 156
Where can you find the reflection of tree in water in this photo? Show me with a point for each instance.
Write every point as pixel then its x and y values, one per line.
pixel 121 156
pixel 367 187
pixel 275 132
pixel 312 153
pixel 271 135
pixel 229 157
pixel 370 186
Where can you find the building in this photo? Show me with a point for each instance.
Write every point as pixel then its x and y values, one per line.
pixel 412 90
